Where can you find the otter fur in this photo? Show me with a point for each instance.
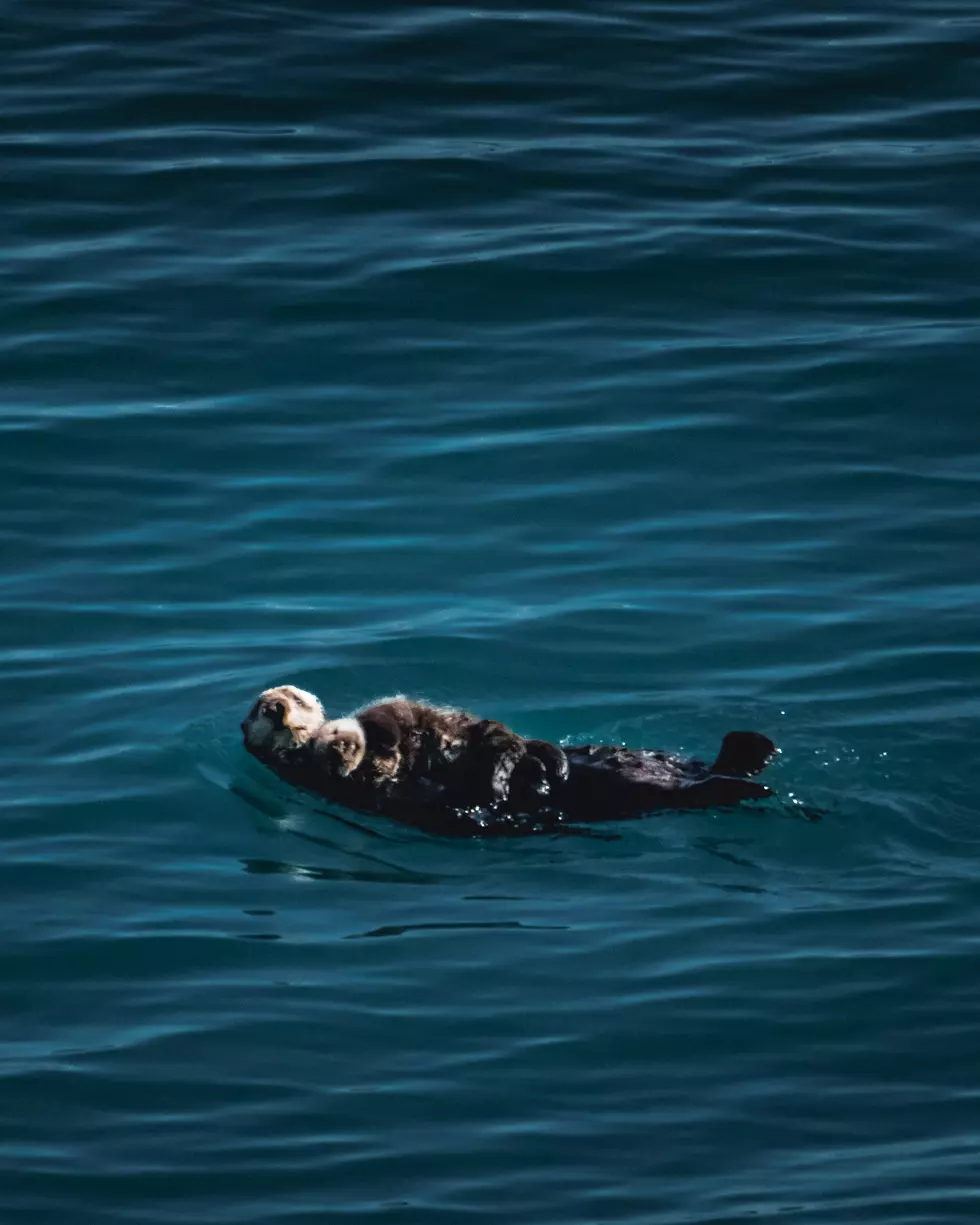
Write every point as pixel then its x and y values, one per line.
pixel 388 749
pixel 446 771
pixel 606 781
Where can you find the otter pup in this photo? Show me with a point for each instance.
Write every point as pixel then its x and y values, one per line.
pixel 384 750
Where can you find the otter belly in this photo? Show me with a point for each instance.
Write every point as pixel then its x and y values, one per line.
pixel 606 783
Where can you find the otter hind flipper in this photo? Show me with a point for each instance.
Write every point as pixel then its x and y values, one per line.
pixel 743 754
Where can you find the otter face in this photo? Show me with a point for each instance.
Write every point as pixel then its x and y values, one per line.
pixel 283 718
pixel 341 742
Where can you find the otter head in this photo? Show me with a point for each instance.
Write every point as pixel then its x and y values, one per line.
pixel 342 743
pixel 281 719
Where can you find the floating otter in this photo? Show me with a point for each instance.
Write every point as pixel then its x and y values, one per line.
pixel 446 771
pixel 397 748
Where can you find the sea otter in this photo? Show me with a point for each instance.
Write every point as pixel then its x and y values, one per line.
pixel 446 771
pixel 395 748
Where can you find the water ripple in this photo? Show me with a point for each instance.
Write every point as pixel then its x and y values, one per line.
pixel 611 372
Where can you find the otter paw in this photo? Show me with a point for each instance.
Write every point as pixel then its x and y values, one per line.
pixel 552 758
pixel 539 773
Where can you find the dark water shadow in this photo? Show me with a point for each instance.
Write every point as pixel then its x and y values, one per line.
pixel 500 925
pixel 715 846
pixel 728 887
pixel 394 876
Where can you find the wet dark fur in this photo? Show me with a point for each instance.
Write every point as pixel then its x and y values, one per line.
pixel 448 772
pixel 408 741
pixel 411 746
pixel 605 781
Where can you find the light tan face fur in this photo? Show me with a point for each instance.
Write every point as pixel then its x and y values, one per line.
pixel 282 718
pixel 345 743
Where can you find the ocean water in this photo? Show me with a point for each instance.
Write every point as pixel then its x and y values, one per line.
pixel 610 369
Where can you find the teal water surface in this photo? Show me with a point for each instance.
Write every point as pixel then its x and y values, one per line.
pixel 609 369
